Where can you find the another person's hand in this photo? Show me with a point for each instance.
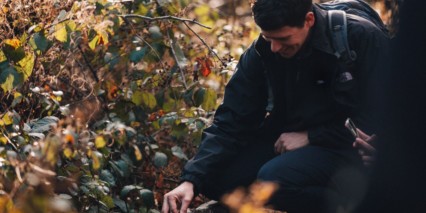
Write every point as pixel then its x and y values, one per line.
pixel 365 147
pixel 290 141
pixel 181 195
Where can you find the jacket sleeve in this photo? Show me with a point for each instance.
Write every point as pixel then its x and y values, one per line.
pixel 236 120
pixel 371 46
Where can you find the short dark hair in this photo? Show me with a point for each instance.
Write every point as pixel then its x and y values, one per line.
pixel 275 14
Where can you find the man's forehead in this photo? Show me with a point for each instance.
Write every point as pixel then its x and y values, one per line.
pixel 284 32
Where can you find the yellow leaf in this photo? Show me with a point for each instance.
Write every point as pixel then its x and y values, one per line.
pixel 6 204
pixel 7 85
pixel 68 153
pixel 7 118
pixel 149 100
pixel 137 98
pixel 3 140
pixel 61 33
pixel 71 25
pixel 2 56
pixel 96 163
pixel 100 142
pixel 14 42
pixel 103 38
pixel 26 65
pixel 138 153
pixel 142 10
pixel 4 9
pixel 17 95
pixel 94 42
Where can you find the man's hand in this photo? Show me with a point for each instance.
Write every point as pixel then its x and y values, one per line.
pixel 182 195
pixel 365 148
pixel 290 141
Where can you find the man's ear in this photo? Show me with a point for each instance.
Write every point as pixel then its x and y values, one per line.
pixel 310 19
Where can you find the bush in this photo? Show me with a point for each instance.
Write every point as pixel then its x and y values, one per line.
pixel 102 102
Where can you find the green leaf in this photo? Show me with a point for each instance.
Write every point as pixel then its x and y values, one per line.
pixel 182 61
pixel 120 203
pixel 108 201
pixel 209 101
pixel 9 77
pixel 137 98
pixel 149 100
pixel 145 98
pixel 179 130
pixel 199 96
pixel 126 190
pixel 107 177
pixel 170 105
pixel 61 33
pixel 138 54
pixel 155 32
pixel 44 124
pixel 13 50
pixel 39 42
pixel 26 65
pixel 112 58
pixel 178 152
pixel 122 168
pixel 147 197
pixel 160 159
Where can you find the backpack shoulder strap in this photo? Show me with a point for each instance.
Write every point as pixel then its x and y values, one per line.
pixel 337 25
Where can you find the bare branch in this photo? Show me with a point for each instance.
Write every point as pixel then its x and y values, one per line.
pixel 177 60
pixel 159 18
pixel 88 64
pixel 205 44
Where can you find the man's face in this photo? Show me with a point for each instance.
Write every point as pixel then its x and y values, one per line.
pixel 287 41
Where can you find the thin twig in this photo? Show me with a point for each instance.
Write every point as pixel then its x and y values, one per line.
pixel 159 18
pixel 149 45
pixel 9 141
pixel 205 44
pixel 88 64
pixel 177 60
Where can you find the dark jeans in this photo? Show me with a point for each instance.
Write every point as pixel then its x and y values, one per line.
pixel 311 179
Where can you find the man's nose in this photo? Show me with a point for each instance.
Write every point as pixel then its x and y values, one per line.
pixel 275 46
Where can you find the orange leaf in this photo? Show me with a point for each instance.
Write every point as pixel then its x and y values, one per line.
pixel 69 138
pixel 160 113
pixel 152 117
pixel 112 92
pixel 160 181
pixel 205 66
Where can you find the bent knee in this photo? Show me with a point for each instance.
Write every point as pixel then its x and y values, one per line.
pixel 276 171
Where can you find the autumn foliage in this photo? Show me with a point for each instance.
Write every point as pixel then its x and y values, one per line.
pixel 102 102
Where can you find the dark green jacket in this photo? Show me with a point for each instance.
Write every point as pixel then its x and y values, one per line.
pixel 313 91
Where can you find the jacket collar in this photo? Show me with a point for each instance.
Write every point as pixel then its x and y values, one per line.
pixel 318 39
pixel 320 33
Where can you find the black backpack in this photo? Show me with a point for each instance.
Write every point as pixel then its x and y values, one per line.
pixel 337 25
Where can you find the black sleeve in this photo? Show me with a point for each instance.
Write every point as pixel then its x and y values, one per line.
pixel 371 46
pixel 236 120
